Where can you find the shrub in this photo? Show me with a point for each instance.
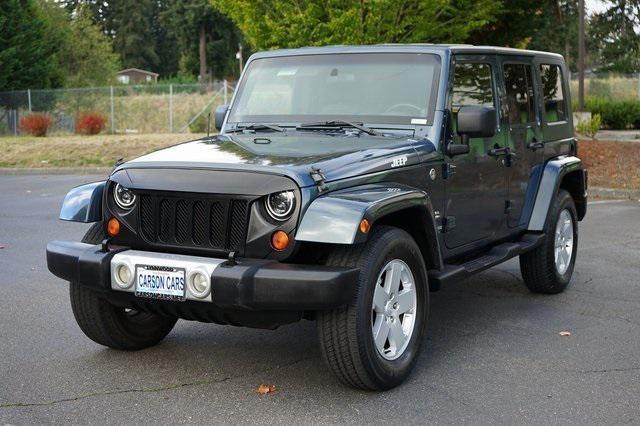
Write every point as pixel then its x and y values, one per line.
pixel 618 115
pixel 590 127
pixel 90 123
pixel 200 124
pixel 35 124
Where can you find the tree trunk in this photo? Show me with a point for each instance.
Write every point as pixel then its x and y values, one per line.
pixel 203 56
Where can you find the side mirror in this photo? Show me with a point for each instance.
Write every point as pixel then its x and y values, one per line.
pixel 220 114
pixel 476 121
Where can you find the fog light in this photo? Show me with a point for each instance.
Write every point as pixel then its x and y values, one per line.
pixel 280 240
pixel 123 276
pixel 113 227
pixel 199 284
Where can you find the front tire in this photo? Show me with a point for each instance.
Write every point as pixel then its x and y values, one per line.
pixel 548 268
pixel 110 325
pixel 373 342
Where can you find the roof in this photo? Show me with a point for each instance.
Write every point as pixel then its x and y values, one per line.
pixel 138 70
pixel 407 48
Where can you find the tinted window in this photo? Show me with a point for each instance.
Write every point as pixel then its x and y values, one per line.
pixel 389 88
pixel 472 85
pixel 552 90
pixel 519 85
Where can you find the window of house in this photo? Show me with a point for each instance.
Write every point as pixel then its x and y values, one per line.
pixel 519 86
pixel 553 93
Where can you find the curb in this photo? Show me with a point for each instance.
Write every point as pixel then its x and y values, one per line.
pixel 55 171
pixel 614 193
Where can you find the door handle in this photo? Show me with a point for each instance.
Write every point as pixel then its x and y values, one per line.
pixel 496 152
pixel 534 145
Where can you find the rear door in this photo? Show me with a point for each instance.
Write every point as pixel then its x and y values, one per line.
pixel 524 136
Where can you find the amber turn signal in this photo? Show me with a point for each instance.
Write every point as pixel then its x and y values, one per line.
pixel 113 227
pixel 280 240
pixel 364 226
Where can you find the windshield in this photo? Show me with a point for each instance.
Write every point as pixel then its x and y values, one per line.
pixel 374 88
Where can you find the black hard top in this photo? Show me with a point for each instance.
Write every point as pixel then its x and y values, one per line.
pixel 407 48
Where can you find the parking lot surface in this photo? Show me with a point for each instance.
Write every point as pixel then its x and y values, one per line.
pixel 494 352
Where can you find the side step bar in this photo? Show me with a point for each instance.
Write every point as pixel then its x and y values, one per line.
pixel 498 254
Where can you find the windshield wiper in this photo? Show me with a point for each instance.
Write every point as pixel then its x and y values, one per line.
pixel 338 124
pixel 256 126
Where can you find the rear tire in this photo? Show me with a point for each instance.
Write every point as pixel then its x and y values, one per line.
pixel 348 335
pixel 543 271
pixel 110 325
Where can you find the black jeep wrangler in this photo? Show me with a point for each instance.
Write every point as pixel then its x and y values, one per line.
pixel 346 184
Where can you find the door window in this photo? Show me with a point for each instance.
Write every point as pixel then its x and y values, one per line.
pixel 519 93
pixel 472 85
pixel 553 93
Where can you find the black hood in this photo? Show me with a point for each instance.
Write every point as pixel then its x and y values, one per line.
pixel 291 154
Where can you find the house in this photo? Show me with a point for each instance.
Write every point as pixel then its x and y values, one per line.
pixel 135 75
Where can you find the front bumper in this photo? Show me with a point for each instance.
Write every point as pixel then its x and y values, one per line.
pixel 251 284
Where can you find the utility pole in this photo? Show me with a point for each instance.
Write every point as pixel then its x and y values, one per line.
pixel 581 37
pixel 239 56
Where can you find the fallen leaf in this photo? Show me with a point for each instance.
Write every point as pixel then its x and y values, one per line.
pixel 565 333
pixel 263 389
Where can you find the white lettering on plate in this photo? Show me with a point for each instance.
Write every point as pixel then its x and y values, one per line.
pixel 399 161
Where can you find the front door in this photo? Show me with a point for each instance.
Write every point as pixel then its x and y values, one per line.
pixel 476 192
pixel 524 136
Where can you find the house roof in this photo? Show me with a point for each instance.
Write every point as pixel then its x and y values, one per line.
pixel 138 70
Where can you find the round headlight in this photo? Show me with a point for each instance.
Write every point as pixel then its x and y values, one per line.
pixel 123 197
pixel 280 205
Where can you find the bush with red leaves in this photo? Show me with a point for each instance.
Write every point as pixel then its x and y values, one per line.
pixel 35 124
pixel 90 123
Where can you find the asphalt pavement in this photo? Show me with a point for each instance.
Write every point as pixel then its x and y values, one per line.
pixel 494 353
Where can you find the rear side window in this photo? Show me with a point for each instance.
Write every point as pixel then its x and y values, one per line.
pixel 553 93
pixel 519 85
pixel 472 85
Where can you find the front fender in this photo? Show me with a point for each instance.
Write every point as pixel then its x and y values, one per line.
pixel 335 218
pixel 83 203
pixel 552 176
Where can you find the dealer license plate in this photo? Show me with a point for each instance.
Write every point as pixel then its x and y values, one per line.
pixel 160 282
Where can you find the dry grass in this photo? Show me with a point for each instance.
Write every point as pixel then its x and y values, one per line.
pixel 81 151
pixel 611 164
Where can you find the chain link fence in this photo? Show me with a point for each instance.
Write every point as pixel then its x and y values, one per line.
pixel 148 108
pixel 613 87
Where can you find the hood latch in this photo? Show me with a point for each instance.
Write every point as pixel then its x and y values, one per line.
pixel 318 178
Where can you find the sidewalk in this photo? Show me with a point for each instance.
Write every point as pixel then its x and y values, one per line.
pixel 619 135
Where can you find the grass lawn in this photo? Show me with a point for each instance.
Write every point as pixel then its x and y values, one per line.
pixel 611 164
pixel 82 151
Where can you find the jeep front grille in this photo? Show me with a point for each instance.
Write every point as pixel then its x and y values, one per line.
pixel 198 221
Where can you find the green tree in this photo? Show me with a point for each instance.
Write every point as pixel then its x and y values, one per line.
pixel 28 59
pixel 132 27
pixel 269 24
pixel 614 40
pixel 87 58
pixel 206 39
pixel 548 25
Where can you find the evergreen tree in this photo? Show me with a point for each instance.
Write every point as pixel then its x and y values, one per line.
pixel 269 24
pixel 206 39
pixel 132 26
pixel 615 37
pixel 88 58
pixel 28 59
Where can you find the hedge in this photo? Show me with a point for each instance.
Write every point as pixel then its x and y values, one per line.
pixel 616 115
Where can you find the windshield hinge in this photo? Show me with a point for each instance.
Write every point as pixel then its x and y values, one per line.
pixel 318 178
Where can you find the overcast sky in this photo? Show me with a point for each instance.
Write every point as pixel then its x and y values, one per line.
pixel 594 6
